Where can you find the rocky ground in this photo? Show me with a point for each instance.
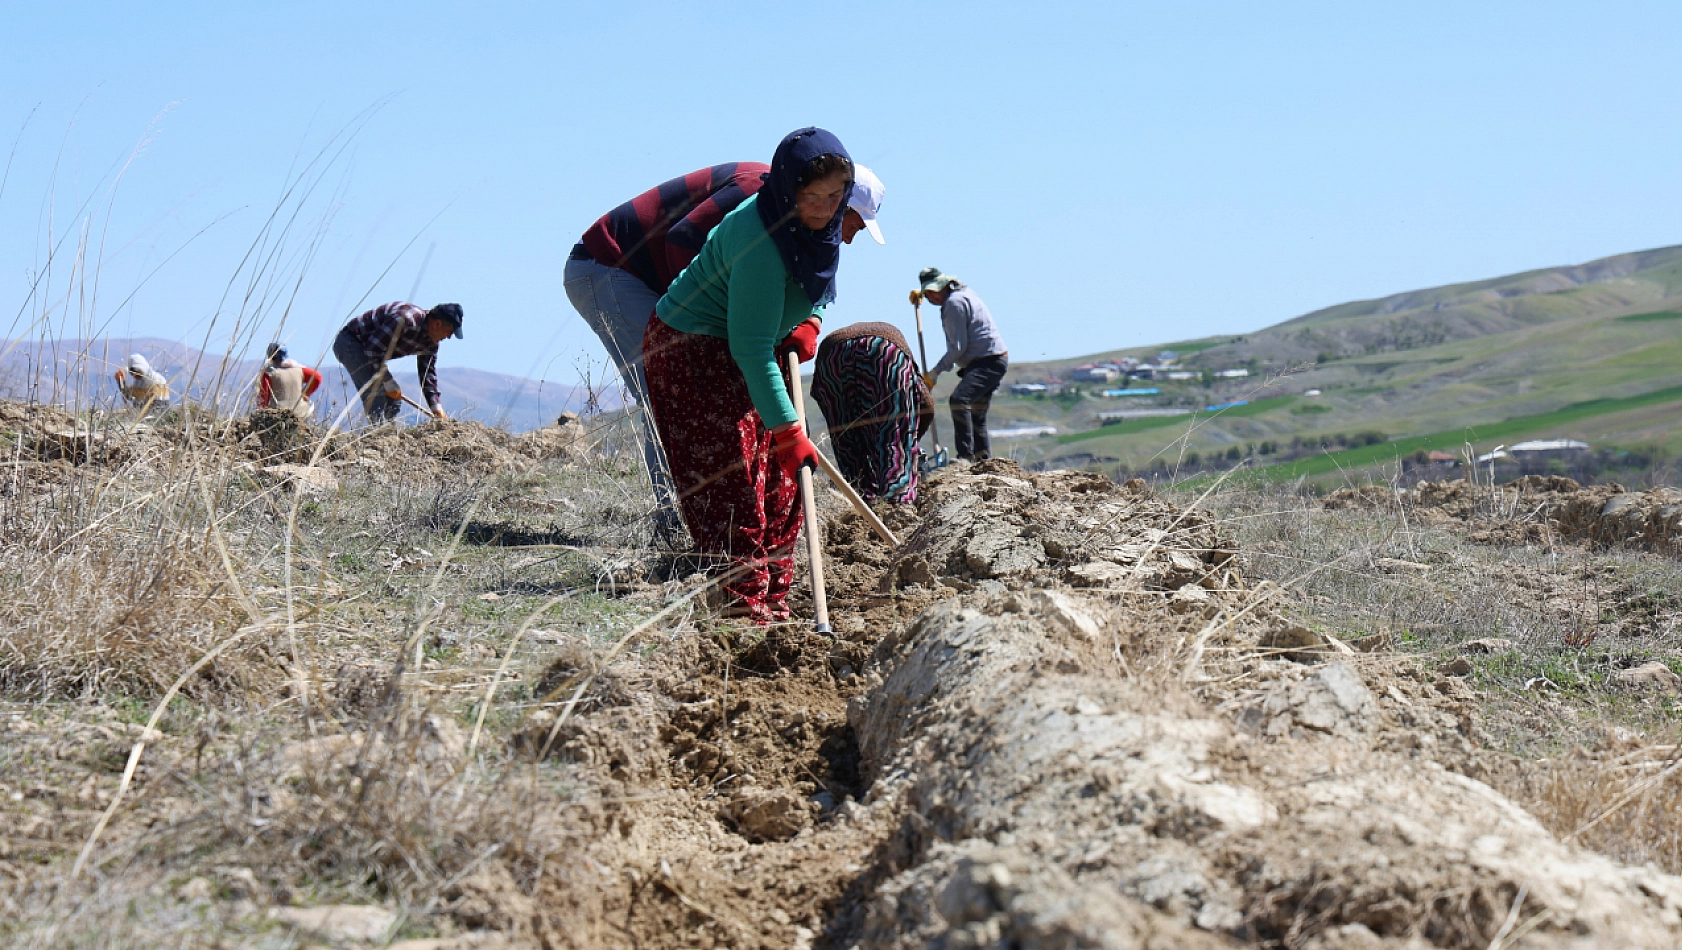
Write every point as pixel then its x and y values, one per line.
pixel 457 698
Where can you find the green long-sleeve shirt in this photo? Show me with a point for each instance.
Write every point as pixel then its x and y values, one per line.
pixel 737 288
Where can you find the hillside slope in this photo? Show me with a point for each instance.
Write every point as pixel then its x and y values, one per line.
pixel 1442 361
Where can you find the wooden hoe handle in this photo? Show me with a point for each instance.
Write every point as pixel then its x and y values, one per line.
pixel 814 536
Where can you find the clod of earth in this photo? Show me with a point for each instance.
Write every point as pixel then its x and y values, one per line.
pixel 1653 676
pixel 769 815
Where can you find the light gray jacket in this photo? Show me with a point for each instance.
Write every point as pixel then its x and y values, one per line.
pixel 970 331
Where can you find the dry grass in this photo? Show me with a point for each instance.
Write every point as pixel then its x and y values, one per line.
pixel 1593 763
pixel 321 759
pixel 105 587
pixel 1628 806
pixel 352 619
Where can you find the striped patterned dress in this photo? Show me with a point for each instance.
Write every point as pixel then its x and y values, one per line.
pixel 873 399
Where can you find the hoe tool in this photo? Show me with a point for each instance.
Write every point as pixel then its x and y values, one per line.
pixel 424 411
pixel 814 537
pixel 940 458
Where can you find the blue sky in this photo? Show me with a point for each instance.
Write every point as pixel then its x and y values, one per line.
pixel 1104 175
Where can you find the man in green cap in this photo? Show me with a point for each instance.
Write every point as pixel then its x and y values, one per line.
pixel 973 345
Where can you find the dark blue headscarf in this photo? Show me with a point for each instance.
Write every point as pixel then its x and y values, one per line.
pixel 810 256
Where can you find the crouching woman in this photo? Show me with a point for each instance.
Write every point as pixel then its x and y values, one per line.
pixel 719 398
pixel 877 407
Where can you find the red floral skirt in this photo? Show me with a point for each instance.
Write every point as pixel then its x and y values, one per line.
pixel 736 501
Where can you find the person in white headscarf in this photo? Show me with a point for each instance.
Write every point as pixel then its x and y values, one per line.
pixel 142 385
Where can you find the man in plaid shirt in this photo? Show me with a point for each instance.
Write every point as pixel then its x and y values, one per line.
pixel 387 332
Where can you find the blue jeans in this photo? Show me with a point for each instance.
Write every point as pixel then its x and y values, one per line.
pixel 617 306
pixel 349 352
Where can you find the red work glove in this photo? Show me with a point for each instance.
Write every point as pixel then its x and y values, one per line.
pixel 792 450
pixel 803 340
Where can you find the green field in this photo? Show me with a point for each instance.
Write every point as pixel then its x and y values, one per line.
pixel 1508 429
pixel 1197 346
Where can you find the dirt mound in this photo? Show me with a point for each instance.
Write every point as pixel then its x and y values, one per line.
pixel 36 433
pixel 45 434
pixel 22 415
pixel 274 436
pixel 996 527
pixel 1533 498
pixel 562 440
pixel 1650 519
pixel 1537 509
pixel 999 730
pixel 1366 496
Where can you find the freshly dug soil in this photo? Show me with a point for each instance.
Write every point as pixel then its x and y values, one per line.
pixel 1056 716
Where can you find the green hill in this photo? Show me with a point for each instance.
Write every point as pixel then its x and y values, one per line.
pixel 1592 351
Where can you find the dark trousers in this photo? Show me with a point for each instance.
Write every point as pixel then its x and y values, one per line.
pixel 349 353
pixel 976 385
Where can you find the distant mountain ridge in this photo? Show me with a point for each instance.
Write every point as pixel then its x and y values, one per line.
pixel 80 373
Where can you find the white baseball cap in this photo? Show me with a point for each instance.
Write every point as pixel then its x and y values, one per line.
pixel 867 199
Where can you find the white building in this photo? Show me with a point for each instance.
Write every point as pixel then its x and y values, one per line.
pixel 1094 374
pixel 1123 415
pixel 1533 447
pixel 1023 432
pixel 1548 445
